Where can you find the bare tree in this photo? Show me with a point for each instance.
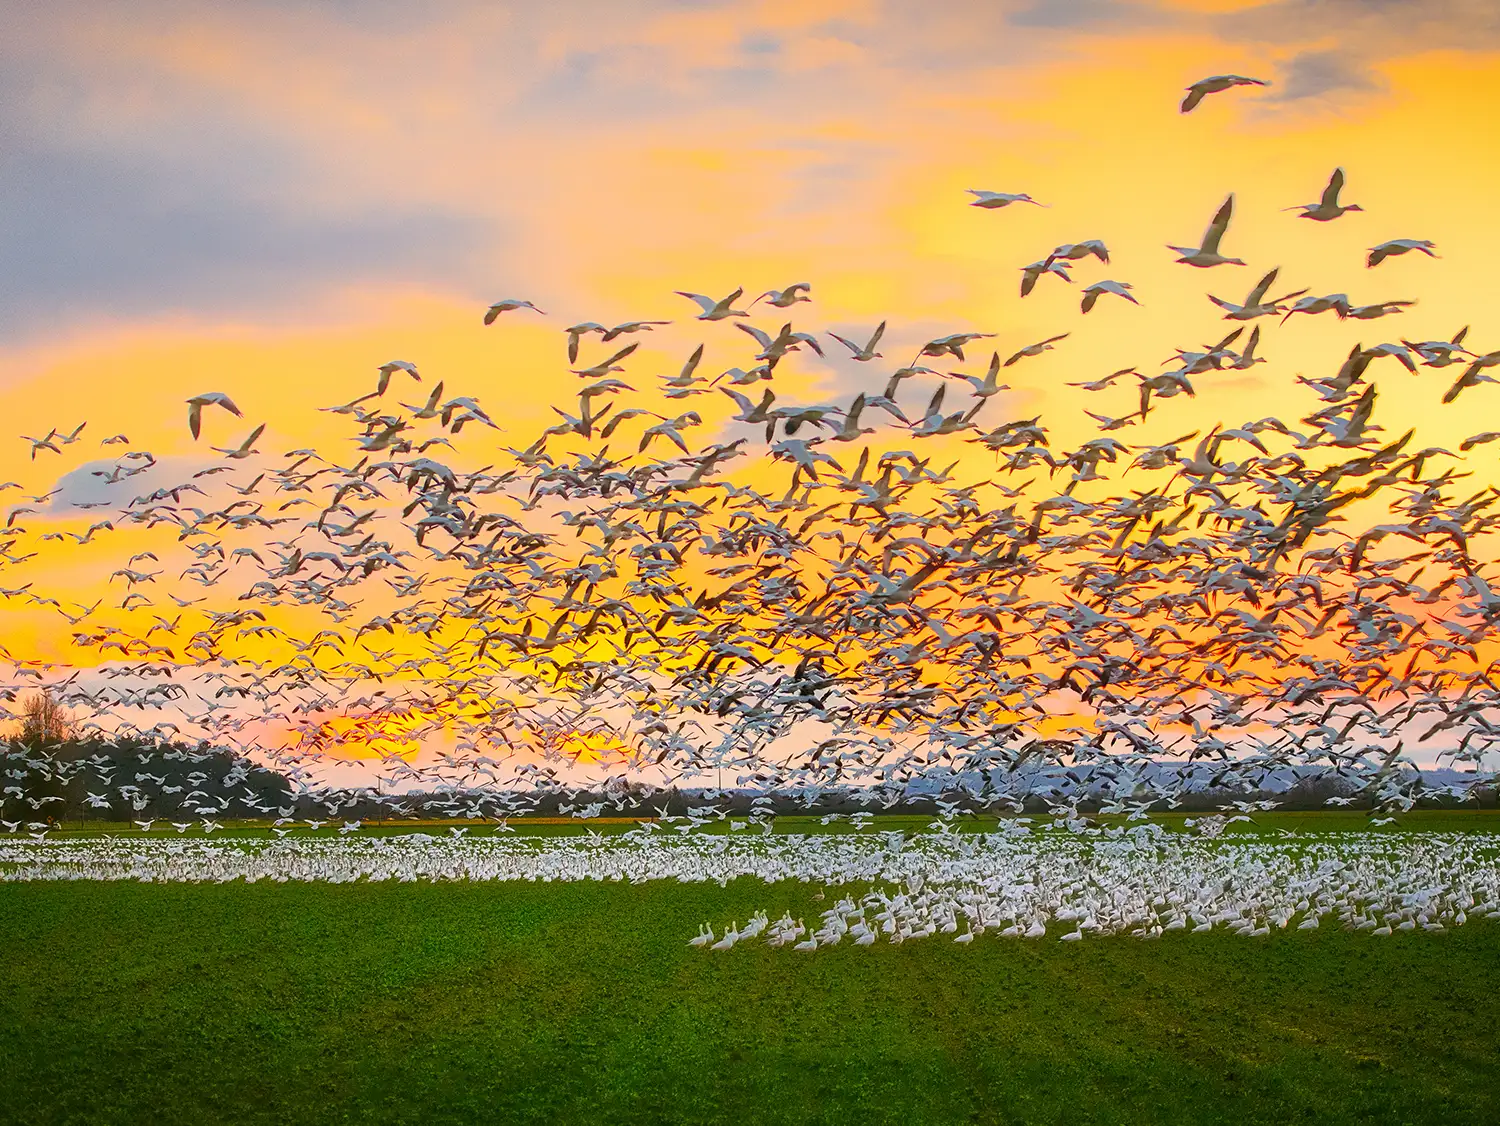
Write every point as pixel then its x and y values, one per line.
pixel 44 721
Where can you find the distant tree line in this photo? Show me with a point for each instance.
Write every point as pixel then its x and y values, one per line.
pixel 49 775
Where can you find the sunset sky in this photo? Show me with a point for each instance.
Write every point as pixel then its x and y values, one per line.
pixel 277 197
pixel 272 199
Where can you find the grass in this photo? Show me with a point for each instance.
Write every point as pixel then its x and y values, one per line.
pixel 581 1003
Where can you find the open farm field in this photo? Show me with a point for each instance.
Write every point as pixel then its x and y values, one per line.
pixel 1331 976
pixel 560 1002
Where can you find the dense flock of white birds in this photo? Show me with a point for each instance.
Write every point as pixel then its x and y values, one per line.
pixel 701 573
pixel 1022 880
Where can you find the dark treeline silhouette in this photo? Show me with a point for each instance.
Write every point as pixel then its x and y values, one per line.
pixel 84 780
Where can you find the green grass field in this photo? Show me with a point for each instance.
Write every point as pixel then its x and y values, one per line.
pixel 581 1003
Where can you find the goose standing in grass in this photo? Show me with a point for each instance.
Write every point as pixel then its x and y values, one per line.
pixel 703 938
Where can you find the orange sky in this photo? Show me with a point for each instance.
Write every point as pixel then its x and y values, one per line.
pixel 270 201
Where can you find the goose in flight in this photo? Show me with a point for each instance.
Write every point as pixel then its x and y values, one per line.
pixel 1473 375
pixel 1328 206
pixel 715 310
pixel 951 345
pixel 852 431
pixel 993 200
pixel 245 448
pixel 773 348
pixel 630 326
pixel 1104 383
pixel 1395 246
pixel 1072 251
pixel 1208 254
pixel 1334 302
pixel 209 399
pixel 1030 274
pixel 389 369
pixel 864 352
pixel 575 334
pixel 1378 309
pixel 505 305
pixel 605 367
pixel 784 298
pixel 1441 353
pixel 1036 349
pixel 1214 85
pixel 1256 304
pixel 989 385
pixel 1119 289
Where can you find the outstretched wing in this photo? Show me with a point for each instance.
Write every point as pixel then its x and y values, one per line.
pixel 707 304
pixel 1331 192
pixel 1219 225
pixel 1261 287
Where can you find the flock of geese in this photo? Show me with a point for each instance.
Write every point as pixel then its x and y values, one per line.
pixel 1022 881
pixel 703 573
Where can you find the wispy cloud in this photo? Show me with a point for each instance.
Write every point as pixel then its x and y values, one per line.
pixel 1313 74
pixel 242 160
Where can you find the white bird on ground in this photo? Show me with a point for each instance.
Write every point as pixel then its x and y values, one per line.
pixel 731 936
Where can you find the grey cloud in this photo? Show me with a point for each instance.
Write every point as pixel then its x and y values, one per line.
pixel 1076 13
pixel 127 192
pixel 86 235
pixel 99 482
pixel 186 208
pixel 1313 74
pixel 1381 28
